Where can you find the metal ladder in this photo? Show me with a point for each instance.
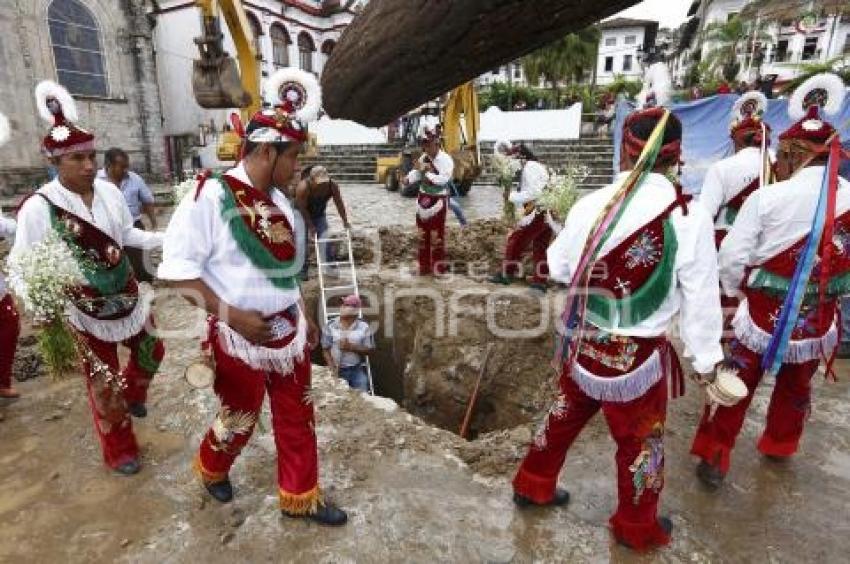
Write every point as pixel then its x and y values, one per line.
pixel 351 286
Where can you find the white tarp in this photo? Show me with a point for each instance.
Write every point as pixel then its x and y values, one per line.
pixel 531 125
pixel 343 132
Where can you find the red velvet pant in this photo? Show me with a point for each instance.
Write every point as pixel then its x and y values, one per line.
pixel 241 390
pixel 786 414
pixel 536 235
pixel 109 408
pixel 10 328
pixel 636 426
pixel 432 243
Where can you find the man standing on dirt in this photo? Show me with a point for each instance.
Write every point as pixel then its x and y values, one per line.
pixel 92 218
pixel 231 249
pixel 312 195
pixel 636 255
pixel 433 172
pixel 788 258
pixel 10 325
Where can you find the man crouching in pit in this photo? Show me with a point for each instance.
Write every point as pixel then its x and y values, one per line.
pixel 231 249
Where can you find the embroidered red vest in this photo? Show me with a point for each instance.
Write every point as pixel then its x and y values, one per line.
pixel 732 208
pixel 768 285
pixel 112 291
pixel 631 281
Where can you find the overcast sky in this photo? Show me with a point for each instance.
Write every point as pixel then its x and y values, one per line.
pixel 670 13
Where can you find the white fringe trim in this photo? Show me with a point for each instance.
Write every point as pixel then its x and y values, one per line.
pixel 281 361
pixel 620 389
pixel 799 351
pixel 117 330
pixel 427 213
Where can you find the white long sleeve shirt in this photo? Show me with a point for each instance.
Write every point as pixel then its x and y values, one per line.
pixel 694 296
pixel 199 245
pixel 532 181
pixel 7 231
pixel 108 212
pixel 444 164
pixel 726 179
pixel 773 219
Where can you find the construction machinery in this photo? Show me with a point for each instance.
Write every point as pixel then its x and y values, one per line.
pixel 460 122
pixel 221 82
pixel 217 81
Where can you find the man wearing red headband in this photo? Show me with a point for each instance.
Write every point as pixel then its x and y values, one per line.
pixel 759 261
pixel 232 248
pixel 92 217
pixel 657 263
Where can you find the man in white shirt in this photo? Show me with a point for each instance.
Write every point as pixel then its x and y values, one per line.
pixel 433 172
pixel 657 263
pixel 92 217
pixel 759 259
pixel 232 249
pixel 730 181
pixel 10 325
pixel 534 228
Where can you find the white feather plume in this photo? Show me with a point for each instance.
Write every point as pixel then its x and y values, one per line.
pixel 49 89
pixel 5 130
pixel 760 100
pixel 656 80
pixel 307 109
pixel 831 83
pixel 502 147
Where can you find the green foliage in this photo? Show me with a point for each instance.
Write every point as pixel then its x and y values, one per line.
pixel 564 60
pixel 729 36
pixel 838 65
pixel 58 348
pixel 622 85
pixel 504 96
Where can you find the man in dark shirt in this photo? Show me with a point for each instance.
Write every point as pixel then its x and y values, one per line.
pixel 312 195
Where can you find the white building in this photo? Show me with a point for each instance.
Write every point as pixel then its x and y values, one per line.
pixel 299 33
pixel 796 34
pixel 511 73
pixel 622 43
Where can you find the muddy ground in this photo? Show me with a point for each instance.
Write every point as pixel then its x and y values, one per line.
pixel 414 490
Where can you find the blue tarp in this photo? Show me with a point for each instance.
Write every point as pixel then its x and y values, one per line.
pixel 706 131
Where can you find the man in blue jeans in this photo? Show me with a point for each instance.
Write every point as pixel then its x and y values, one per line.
pixel 346 342
pixel 312 195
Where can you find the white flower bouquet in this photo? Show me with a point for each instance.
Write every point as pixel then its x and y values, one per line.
pixel 42 278
pixel 180 189
pixel 506 168
pixel 562 190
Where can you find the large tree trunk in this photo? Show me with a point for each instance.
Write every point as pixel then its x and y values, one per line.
pixel 398 54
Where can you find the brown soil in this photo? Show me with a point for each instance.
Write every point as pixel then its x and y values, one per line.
pixel 415 492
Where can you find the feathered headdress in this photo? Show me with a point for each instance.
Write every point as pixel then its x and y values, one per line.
pixel 57 108
pixel 748 117
pixel 819 97
pixel 5 130
pixel 296 100
pixel 657 86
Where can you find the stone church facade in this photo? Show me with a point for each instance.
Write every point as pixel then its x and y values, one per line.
pixel 101 50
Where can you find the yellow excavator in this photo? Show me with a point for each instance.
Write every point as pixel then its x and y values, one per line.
pixel 218 81
pixel 460 121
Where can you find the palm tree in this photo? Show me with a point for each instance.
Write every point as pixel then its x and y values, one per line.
pixel 837 66
pixel 729 36
pixel 564 60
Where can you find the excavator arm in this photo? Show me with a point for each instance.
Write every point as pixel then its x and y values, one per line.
pixel 216 80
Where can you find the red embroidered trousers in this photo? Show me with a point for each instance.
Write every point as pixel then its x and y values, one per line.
pixel 536 235
pixel 632 425
pixel 432 242
pixel 112 421
pixel 241 390
pixel 10 328
pixel 786 414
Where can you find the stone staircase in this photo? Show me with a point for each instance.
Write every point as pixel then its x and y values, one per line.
pixel 355 164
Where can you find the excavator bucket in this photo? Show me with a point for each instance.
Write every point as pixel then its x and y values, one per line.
pixel 217 84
